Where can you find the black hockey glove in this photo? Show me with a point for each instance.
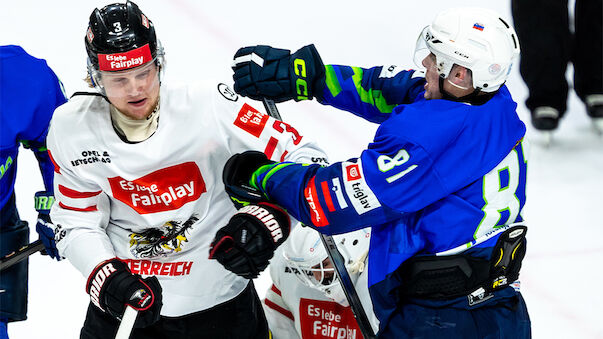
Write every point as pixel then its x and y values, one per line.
pixel 247 243
pixel 43 202
pixel 274 73
pixel 112 286
pixel 236 175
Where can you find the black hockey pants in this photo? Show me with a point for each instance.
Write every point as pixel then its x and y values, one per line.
pixel 241 318
pixel 547 45
pixel 14 234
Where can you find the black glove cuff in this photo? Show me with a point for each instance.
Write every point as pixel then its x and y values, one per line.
pixel 237 173
pixel 247 243
pixel 101 277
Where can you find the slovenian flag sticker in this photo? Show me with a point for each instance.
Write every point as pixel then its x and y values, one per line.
pixel 478 26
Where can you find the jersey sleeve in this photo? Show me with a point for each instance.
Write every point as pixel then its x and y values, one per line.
pixel 280 318
pixel 46 94
pixel 370 93
pixel 324 197
pixel 247 126
pixel 45 164
pixel 80 214
pixel 391 177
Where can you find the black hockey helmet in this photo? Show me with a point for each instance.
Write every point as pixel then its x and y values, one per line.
pixel 120 37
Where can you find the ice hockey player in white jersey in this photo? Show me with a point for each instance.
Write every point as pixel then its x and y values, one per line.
pixel 139 192
pixel 306 299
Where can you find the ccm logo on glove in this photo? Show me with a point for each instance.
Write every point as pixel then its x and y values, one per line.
pixel 267 218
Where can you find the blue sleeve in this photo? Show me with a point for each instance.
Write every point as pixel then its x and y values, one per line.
pixel 403 173
pixel 393 176
pixel 44 162
pixel 370 93
pixel 51 95
pixel 27 104
pixel 333 199
pixel 400 172
pixel 389 179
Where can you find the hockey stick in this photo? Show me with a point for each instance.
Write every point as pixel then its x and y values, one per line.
pixel 337 260
pixel 21 254
pixel 127 323
pixel 348 287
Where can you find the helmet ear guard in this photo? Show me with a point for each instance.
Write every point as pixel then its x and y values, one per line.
pixel 160 60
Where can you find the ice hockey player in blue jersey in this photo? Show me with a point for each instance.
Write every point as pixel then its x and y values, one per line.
pixel 442 184
pixel 29 94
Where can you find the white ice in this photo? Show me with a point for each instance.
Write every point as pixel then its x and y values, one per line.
pixel 561 276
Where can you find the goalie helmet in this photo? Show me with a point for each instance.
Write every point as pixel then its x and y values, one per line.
pixel 305 252
pixel 475 38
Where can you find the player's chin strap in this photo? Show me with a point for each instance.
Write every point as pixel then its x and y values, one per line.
pixel 477 97
pixel 98 94
pixel 358 265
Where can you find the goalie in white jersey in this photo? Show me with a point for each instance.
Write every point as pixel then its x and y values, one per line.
pixel 306 299
pixel 138 184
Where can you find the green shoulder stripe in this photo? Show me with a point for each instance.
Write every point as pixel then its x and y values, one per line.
pixel 372 97
pixel 267 171
pixel 331 80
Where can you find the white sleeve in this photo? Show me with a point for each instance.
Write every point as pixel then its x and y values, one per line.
pixel 80 213
pixel 247 126
pixel 280 318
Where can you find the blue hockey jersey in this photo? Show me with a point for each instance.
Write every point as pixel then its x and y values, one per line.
pixel 29 94
pixel 438 175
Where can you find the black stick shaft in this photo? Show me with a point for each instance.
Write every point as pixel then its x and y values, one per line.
pixel 21 254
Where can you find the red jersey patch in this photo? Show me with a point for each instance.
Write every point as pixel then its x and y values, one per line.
pixel 163 190
pixel 317 214
pixel 327 319
pixel 120 61
pixel 251 120
pixel 326 192
pixel 352 172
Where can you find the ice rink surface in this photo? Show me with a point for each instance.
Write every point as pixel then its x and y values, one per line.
pixel 561 277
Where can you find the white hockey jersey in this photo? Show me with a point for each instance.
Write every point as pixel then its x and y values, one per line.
pixel 295 310
pixel 157 204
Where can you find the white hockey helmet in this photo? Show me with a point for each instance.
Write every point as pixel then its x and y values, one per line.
pixel 475 38
pixel 305 252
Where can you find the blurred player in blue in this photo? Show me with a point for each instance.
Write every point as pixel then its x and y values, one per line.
pixel 442 184
pixel 29 94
